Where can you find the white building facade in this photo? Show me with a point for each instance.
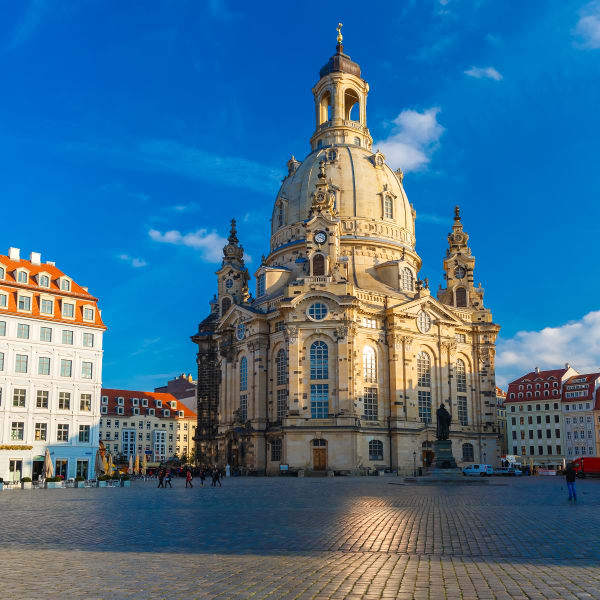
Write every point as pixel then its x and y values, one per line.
pixel 579 393
pixel 51 335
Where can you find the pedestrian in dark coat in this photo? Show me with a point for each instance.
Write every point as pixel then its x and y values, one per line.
pixel 161 479
pixel 570 476
pixel 188 479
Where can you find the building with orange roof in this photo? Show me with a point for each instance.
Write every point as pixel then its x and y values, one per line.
pixel 51 334
pixel 141 423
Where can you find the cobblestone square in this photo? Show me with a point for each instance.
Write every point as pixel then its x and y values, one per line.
pixel 303 538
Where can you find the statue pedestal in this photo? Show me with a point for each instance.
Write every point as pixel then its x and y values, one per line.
pixel 443 455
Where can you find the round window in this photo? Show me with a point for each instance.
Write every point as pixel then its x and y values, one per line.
pixel 423 322
pixel 317 311
pixel 240 332
pixel 229 283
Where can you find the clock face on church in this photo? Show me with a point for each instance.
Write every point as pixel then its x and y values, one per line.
pixel 320 237
pixel 459 272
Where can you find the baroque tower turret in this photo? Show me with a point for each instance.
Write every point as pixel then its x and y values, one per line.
pixel 343 356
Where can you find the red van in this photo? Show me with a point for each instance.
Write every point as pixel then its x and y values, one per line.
pixel 587 465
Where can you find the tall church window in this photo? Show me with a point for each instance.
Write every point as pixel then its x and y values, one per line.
pixel 424 406
pixel 318 265
pixel 388 207
pixel 423 369
pixel 319 360
pixel 276 450
pixel 369 365
pixel 282 403
pixel 319 400
pixel 244 407
pixel 463 412
pixel 370 404
pixel 461 376
pixel 461 297
pixel 375 450
pixel 261 285
pixel 407 280
pixel 281 362
pixel 467 453
pixel 243 374
pixel 280 214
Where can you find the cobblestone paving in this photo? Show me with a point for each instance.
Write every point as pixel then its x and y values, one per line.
pixel 303 538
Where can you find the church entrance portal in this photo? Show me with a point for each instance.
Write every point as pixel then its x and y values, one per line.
pixel 319 455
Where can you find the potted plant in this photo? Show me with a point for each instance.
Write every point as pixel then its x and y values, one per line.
pixel 79 481
pixel 26 483
pixel 125 481
pixel 102 480
pixel 54 482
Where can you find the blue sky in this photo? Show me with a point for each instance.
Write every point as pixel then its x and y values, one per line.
pixel 132 132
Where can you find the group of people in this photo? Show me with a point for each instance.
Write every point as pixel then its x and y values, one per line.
pixel 166 475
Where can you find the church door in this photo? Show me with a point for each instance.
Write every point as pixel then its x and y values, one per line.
pixel 320 459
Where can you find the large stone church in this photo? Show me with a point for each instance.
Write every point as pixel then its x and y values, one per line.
pixel 340 358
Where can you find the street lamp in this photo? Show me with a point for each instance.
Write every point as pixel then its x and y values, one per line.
pixel 414 464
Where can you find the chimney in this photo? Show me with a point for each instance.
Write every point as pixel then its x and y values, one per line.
pixel 51 263
pixel 35 258
pixel 537 369
pixel 14 253
pixel 567 366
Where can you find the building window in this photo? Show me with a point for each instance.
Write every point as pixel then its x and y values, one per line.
pixel 317 311
pixel 2 272
pixel 1 361
pixel 423 321
pixel 41 400
pixel 463 413
pixel 64 400
pixel 44 365
pixel 423 369
pixel 461 376
pixel 279 326
pixel 17 430
pixel 370 404
pixel 41 432
pixel 86 370
pixel 88 313
pixel 388 208
pixel 19 397
pixel 2 327
pixel 243 374
pixel 281 403
pixel 375 450
pixel 408 283
pixel 276 450
pixel 467 453
pixel 84 434
pixel 23 331
pixel 280 215
pixel 319 400
pixel 261 285
pixel 461 297
pixel 65 285
pixel 68 310
pixel 85 402
pixel 88 340
pixel 22 277
pixel 66 367
pixel 44 281
pixel 21 363
pixel 45 334
pixel 424 406
pixel 319 360
pixel 244 407
pixel 369 365
pixel 62 433
pixel 281 364
pixel 67 337
pixel 46 307
pixel 318 265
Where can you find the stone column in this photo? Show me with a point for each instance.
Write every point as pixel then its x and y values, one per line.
pixel 294 371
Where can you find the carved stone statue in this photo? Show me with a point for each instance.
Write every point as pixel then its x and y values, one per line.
pixel 443 423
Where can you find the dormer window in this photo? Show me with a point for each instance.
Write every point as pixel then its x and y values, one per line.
pixel 151 412
pixel 24 303
pixel 88 313
pixel 2 272
pixel 65 285
pixel 159 404
pixel 166 412
pixel 68 310
pixel 135 401
pixel 261 285
pixel 144 401
pixel 173 404
pixel 46 306
pixel 104 399
pixel 121 401
pixel 22 276
pixel 136 411
pixel 388 208
pixel 44 281
pixel 120 410
pixel 180 413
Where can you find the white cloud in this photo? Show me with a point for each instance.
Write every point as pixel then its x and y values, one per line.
pixel 576 342
pixel 587 29
pixel 413 140
pixel 209 243
pixel 484 73
pixel 136 263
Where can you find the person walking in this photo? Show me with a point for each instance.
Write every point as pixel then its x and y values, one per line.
pixel 216 477
pixel 202 476
pixel 188 479
pixel 161 479
pixel 570 476
pixel 168 479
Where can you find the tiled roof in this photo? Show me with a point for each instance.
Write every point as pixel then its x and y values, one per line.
pixel 589 379
pixel 77 294
pixel 152 398
pixel 541 376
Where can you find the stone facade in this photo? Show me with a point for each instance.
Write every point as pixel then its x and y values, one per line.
pixel 343 356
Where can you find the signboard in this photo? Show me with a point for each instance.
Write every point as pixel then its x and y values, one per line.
pixel 284 467
pixel 148 452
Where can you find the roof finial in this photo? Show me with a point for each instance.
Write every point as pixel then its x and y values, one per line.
pixel 457 213
pixel 233 233
pixel 339 38
pixel 322 174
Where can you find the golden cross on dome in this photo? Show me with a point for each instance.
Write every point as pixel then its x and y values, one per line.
pixel 339 30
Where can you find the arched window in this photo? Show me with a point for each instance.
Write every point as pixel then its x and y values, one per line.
pixel 281 363
pixel 461 297
pixel 375 450
pixel 388 207
pixel 318 265
pixel 325 108
pixel 225 304
pixel 351 99
pixel 461 376
pixel 408 282
pixel 357 141
pixel 319 360
pixel 423 369
pixel 467 453
pixel 280 215
pixel 369 365
pixel 243 374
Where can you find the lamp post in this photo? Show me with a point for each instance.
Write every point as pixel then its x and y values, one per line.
pixel 414 463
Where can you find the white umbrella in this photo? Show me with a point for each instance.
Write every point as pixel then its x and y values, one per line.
pixel 136 467
pixel 130 468
pixel 48 466
pixel 99 465
pixel 144 464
